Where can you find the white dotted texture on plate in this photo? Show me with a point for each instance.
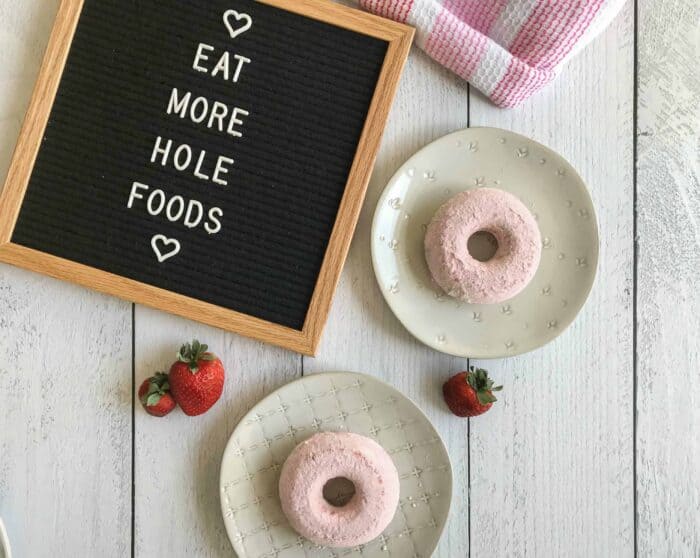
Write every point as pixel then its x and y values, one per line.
pixel 546 183
pixel 336 402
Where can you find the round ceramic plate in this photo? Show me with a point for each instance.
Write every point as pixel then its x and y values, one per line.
pixel 4 542
pixel 559 200
pixel 341 402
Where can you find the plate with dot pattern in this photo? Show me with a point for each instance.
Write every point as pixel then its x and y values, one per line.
pixel 559 200
pixel 335 402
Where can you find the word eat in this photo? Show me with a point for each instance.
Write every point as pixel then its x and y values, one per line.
pixel 228 70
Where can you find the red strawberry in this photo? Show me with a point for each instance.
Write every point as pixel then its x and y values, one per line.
pixel 155 397
pixel 469 394
pixel 196 379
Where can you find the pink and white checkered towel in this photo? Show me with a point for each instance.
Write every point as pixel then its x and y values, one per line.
pixel 508 49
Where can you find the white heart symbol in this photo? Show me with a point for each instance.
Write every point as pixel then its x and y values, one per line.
pixel 159 240
pixel 238 17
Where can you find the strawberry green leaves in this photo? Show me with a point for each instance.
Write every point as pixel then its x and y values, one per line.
pixel 192 353
pixel 478 378
pixel 155 396
pixel 157 387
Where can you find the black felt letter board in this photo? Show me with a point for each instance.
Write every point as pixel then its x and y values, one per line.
pixel 240 216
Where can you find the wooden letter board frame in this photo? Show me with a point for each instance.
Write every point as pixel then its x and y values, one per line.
pixel 399 38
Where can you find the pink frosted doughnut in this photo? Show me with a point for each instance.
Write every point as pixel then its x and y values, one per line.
pixel 510 269
pixel 330 455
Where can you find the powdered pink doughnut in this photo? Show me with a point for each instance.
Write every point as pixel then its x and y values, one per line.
pixel 513 265
pixel 329 455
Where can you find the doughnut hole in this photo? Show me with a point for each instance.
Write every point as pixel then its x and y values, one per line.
pixel 338 491
pixel 482 246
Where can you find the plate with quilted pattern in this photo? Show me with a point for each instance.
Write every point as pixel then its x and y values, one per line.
pixel 558 199
pixel 335 402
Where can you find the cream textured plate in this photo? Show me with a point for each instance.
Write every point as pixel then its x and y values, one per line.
pixel 546 183
pixel 337 401
pixel 4 542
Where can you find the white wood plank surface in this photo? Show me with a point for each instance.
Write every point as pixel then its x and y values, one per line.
pixel 668 291
pixel 65 374
pixel 177 458
pixel 362 334
pixel 552 463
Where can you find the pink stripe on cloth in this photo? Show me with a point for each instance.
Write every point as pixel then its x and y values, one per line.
pixel 519 82
pixel 573 33
pixel 531 38
pixel 479 15
pixel 565 22
pixel 397 10
pixel 455 45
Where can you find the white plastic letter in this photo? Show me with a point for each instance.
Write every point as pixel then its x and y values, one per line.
pixel 177 105
pixel 201 57
pixel 235 121
pixel 189 221
pixel 181 208
pixel 135 187
pixel 221 170
pixel 213 212
pixel 241 60
pixel 163 151
pixel 156 194
pixel 177 160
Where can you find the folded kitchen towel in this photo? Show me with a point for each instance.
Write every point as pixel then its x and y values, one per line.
pixel 508 49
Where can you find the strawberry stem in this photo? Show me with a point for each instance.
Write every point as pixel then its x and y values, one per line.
pixel 192 353
pixel 158 386
pixel 479 380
